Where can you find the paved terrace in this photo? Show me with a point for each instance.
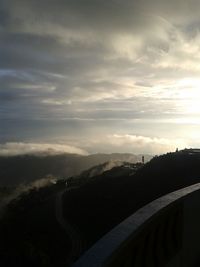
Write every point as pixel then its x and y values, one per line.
pixel 166 232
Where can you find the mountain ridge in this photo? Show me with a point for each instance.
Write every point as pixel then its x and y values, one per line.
pixel 27 168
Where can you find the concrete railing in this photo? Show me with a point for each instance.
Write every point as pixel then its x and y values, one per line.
pixel 165 232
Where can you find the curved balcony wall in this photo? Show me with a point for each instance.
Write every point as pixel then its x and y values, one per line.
pixel 166 232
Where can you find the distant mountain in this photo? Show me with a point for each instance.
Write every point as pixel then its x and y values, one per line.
pixel 27 168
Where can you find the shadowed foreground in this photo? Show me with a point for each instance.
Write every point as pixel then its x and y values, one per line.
pixel 165 232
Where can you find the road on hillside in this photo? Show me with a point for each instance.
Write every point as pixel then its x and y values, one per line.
pixel 76 241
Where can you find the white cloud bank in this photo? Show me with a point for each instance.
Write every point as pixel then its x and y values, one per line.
pixel 149 144
pixel 12 149
pixel 137 144
pixel 119 143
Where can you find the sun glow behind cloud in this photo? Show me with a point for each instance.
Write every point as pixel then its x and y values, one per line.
pixel 189 94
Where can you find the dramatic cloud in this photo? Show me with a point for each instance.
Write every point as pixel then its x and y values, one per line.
pixel 83 70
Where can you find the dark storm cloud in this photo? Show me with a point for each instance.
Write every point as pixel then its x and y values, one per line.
pixel 76 13
pixel 4 18
pixel 29 51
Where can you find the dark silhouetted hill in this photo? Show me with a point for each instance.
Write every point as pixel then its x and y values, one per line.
pixel 103 202
pixel 100 169
pixel 27 168
pixel 31 234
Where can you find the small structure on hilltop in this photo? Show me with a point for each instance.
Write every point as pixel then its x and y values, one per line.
pixel 142 159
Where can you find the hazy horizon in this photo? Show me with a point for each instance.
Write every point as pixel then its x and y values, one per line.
pixel 99 76
pixel 23 149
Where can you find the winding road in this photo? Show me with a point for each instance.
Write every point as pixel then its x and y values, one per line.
pixel 76 241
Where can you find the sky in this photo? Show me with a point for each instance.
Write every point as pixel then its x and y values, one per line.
pixel 99 76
